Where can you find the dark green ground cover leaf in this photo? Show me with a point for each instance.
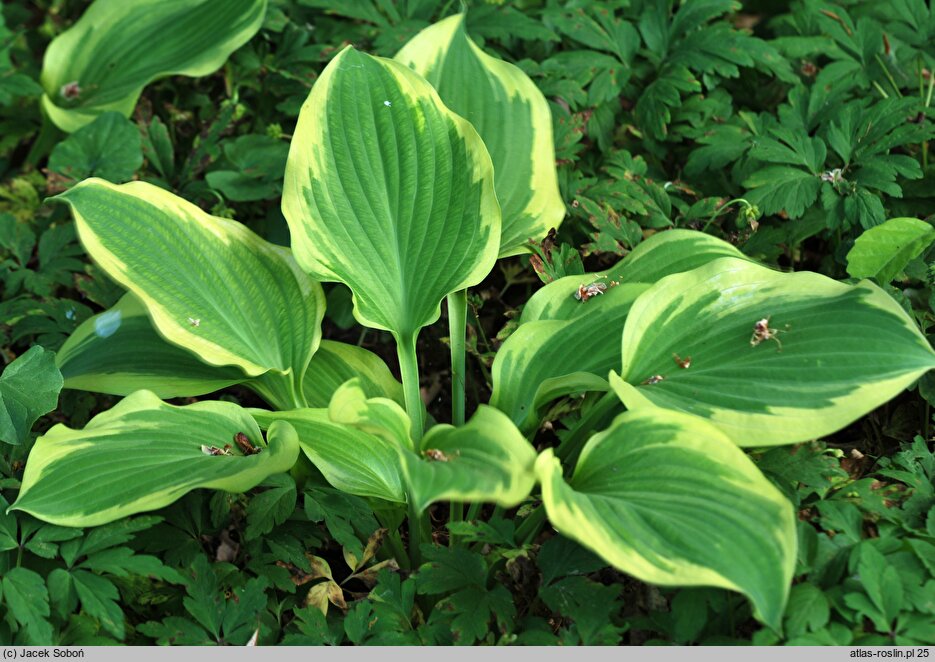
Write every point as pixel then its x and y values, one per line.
pixel 109 147
pixel 29 387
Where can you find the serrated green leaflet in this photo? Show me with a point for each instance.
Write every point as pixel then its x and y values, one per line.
pixel 884 251
pixel 546 359
pixel 669 499
pixel 783 188
pixel 510 114
pixel 27 601
pixel 350 459
pixel 388 191
pixel 487 459
pixel 144 454
pixel 117 47
pixel 119 352
pixel 833 351
pixel 209 284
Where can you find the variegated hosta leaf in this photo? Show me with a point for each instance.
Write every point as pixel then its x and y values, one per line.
pixel 669 499
pixel 117 47
pixel 361 446
pixel 332 364
pixel 210 284
pixel 510 114
pixel 119 352
pixel 336 362
pixel 351 460
pixel 486 460
pixel 381 417
pixel 663 254
pixel 833 351
pixel 388 191
pixel 144 454
pixel 550 358
pixel 564 344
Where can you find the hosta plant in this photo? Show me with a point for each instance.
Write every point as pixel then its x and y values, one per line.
pixel 407 192
pixel 118 47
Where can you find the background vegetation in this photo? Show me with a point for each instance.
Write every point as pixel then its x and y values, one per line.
pixel 786 128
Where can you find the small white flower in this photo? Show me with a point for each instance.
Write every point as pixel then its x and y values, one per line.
pixel 835 176
pixel 194 322
pixel 387 103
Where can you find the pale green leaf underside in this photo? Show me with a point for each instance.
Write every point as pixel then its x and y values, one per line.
pixel 882 252
pixel 672 252
pixel 669 499
pixel 119 46
pixel 663 254
pixel 144 454
pixel 360 449
pixel 546 359
pixel 486 460
pixel 119 352
pixel 845 349
pixel 510 114
pixel 564 345
pixel 336 362
pixel 210 284
pixel 389 192
pixel 351 460
pixel 381 417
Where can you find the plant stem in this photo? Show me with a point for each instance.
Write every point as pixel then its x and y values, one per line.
pixel 928 101
pixel 49 135
pixel 723 209
pixel 455 514
pixel 889 76
pixel 457 323
pixel 397 549
pixel 457 327
pixel 927 428
pixel 415 537
pixel 474 511
pixel 297 394
pixel 409 370
pixel 570 448
pixel 531 526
